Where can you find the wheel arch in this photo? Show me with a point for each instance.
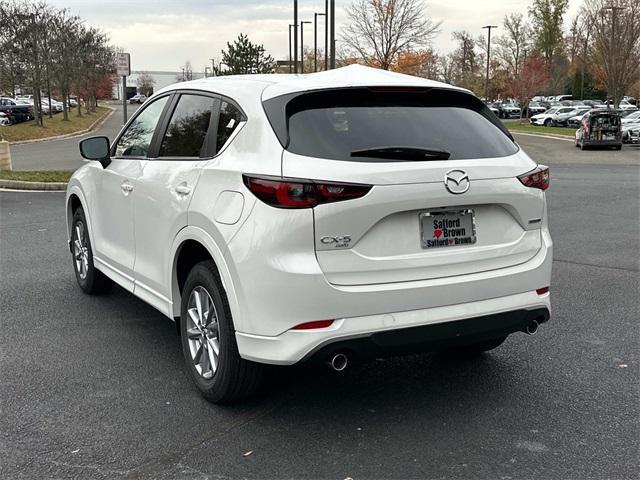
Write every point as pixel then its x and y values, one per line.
pixel 75 198
pixel 193 245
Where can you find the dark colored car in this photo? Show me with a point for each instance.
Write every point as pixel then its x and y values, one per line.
pixel 15 113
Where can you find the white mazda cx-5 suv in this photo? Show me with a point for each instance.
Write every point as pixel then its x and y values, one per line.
pixel 337 215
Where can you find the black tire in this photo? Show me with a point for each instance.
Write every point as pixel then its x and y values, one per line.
pixel 618 147
pixel 547 122
pixel 234 378
pixel 94 282
pixel 480 347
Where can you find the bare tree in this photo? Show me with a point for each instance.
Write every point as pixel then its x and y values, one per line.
pixel 514 43
pixel 616 48
pixel 145 83
pixel 378 30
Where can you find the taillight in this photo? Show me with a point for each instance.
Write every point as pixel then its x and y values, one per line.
pixel 538 178
pixel 313 325
pixel 296 193
pixel 542 291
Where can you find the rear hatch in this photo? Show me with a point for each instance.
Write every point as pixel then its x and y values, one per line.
pixel 445 200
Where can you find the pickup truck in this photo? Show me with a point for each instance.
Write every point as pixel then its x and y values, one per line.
pixel 15 113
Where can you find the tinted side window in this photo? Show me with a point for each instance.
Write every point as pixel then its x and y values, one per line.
pixel 136 139
pixel 186 133
pixel 230 118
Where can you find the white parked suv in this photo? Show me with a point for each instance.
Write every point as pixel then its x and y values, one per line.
pixel 280 219
pixel 549 117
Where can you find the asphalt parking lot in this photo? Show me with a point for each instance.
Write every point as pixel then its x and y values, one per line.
pixel 95 387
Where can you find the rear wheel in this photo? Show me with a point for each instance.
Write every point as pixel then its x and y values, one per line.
pixel 90 280
pixel 208 340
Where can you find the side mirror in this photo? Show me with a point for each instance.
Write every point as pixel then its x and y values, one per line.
pixel 96 148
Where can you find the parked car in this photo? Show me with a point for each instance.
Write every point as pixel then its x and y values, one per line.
pixel 534 108
pixel 272 241
pixel 561 119
pixel 601 128
pixel 494 109
pixel 574 122
pixel 139 98
pixel 630 117
pixel 631 131
pixel 4 120
pixel 508 110
pixel 547 118
pixel 73 102
pixel 15 113
pixel 593 103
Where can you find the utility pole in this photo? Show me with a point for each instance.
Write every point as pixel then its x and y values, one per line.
pixel 302 45
pixel 326 34
pixel 290 55
pixel 315 39
pixel 213 67
pixel 295 36
pixel 332 41
pixel 486 83
pixel 612 52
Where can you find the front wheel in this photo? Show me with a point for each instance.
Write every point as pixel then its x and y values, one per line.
pixel 547 122
pixel 209 342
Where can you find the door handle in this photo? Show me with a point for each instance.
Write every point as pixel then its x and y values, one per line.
pixel 126 188
pixel 182 190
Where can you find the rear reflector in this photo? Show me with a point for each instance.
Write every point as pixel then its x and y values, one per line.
pixel 296 193
pixel 312 325
pixel 538 178
pixel 542 291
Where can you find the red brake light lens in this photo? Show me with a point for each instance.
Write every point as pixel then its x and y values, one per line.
pixel 296 193
pixel 312 325
pixel 542 291
pixel 538 178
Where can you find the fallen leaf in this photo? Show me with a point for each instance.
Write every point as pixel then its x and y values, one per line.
pixel 623 365
pixel 246 454
pixel 75 451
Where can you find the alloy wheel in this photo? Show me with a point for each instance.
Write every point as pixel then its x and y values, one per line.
pixel 203 332
pixel 80 250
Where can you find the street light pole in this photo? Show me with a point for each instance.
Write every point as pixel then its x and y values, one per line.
pixel 326 34
pixel 290 54
pixel 302 45
pixel 486 83
pixel 295 36
pixel 315 39
pixel 332 41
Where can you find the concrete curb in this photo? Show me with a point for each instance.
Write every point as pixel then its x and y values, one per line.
pixel 31 186
pixel 539 135
pixel 94 126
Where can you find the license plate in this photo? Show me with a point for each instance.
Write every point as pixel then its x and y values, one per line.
pixel 447 229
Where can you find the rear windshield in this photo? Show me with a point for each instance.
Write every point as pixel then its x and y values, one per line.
pixel 333 124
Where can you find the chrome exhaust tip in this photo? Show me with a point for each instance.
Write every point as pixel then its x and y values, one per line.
pixel 532 328
pixel 338 362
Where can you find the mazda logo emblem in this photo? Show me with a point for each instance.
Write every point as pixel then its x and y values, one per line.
pixel 456 181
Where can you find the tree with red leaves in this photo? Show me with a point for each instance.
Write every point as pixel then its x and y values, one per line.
pixel 532 79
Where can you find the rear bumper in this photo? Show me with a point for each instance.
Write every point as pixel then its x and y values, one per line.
pixel 434 337
pixel 393 333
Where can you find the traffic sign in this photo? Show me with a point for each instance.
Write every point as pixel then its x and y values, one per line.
pixel 123 65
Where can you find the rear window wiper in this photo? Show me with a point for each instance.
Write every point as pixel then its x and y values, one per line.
pixel 403 153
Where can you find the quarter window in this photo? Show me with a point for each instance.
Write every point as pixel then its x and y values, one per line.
pixel 136 139
pixel 187 131
pixel 230 118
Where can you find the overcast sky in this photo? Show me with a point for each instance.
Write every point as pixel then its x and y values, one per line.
pixel 163 34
